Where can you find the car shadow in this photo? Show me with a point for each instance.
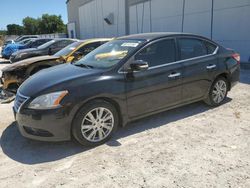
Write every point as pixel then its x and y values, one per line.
pixel 31 152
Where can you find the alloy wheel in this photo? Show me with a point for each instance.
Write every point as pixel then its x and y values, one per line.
pixel 97 124
pixel 219 91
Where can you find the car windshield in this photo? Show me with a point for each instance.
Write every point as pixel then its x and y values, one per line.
pixel 46 45
pixel 68 49
pixel 109 54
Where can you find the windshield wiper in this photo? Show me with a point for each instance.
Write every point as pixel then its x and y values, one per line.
pixel 83 65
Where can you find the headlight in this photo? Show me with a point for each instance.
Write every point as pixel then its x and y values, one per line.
pixel 48 101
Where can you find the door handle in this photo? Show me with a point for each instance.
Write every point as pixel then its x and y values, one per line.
pixel 174 75
pixel 209 67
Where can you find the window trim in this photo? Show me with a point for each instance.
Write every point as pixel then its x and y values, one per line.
pixel 120 71
pixel 197 38
pixel 148 44
pixel 190 59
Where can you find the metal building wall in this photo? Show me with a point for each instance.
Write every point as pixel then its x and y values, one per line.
pixel 73 14
pixel 92 16
pixel 225 21
pixel 232 25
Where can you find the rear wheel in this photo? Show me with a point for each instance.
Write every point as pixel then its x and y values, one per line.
pixel 218 92
pixel 95 123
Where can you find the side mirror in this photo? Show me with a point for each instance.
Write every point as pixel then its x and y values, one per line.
pixel 139 65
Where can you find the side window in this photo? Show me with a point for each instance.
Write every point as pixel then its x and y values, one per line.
pixel 190 48
pixel 159 53
pixel 40 42
pixel 88 48
pixel 63 43
pixel 33 44
pixel 55 45
pixel 210 47
pixel 37 43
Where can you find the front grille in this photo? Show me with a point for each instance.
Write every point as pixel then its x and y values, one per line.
pixel 20 99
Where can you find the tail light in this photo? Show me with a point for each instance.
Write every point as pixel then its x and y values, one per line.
pixel 236 56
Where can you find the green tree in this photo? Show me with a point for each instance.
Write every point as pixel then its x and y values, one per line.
pixel 14 29
pixel 31 25
pixel 51 24
pixel 3 32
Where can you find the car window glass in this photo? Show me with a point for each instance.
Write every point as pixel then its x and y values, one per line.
pixel 65 43
pixel 190 48
pixel 210 47
pixel 110 53
pixel 61 44
pixel 39 42
pixel 88 48
pixel 47 44
pixel 159 53
pixel 34 44
pixel 55 45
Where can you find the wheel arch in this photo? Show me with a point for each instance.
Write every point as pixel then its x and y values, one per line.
pixel 106 99
pixel 225 75
pixel 39 64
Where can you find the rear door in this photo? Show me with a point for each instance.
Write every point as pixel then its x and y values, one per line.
pixel 159 86
pixel 199 61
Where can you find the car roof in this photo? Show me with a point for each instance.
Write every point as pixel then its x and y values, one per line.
pixel 36 39
pixel 96 40
pixel 157 35
pixel 58 39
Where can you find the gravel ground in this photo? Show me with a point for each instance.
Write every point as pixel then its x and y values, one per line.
pixel 192 146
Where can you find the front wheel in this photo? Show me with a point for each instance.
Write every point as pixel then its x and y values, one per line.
pixel 95 123
pixel 218 92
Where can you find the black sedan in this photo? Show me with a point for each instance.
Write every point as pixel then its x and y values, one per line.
pixel 34 43
pixel 49 48
pixel 121 81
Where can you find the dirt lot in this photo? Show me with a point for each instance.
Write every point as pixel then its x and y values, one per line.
pixel 192 146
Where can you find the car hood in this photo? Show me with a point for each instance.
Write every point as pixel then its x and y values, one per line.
pixel 27 62
pixel 56 78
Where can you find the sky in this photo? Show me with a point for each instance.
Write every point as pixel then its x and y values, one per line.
pixel 13 11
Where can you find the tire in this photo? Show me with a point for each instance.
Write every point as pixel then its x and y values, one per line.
pixel 92 131
pixel 214 99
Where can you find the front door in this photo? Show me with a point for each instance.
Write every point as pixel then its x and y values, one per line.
pixel 159 86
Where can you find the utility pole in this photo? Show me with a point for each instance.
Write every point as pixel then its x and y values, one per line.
pixel 212 20
pixel 127 26
pixel 183 15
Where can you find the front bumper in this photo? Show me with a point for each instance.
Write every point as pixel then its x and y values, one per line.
pixel 44 125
